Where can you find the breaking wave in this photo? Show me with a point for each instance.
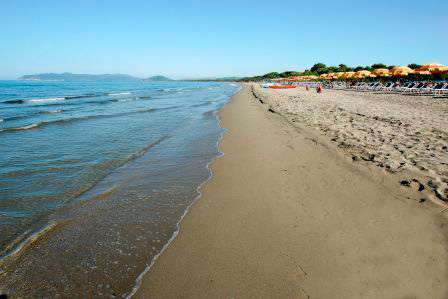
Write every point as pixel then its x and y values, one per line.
pixel 74 119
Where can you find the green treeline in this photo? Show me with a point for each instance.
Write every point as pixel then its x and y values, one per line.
pixel 320 68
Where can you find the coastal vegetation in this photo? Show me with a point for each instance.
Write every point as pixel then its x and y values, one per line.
pixel 320 69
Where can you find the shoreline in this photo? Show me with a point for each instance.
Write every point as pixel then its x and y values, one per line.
pixel 226 244
pixel 139 280
pixel 101 242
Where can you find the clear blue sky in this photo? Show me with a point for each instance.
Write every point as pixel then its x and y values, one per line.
pixel 216 38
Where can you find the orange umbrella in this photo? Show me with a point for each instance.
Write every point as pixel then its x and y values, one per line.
pixel 348 75
pixel 431 67
pixel 331 76
pixel 440 69
pixel 362 74
pixel 310 77
pixel 381 72
pixel 401 71
pixel 422 72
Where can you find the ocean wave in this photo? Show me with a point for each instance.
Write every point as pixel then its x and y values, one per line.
pixel 32 126
pixel 118 94
pixel 101 102
pixel 176 89
pixel 53 111
pixel 18 246
pixel 34 100
pixel 45 100
pixel 62 98
pixel 24 241
pixel 74 119
pixel 202 104
pixel 71 97
pixel 144 149
pixel 209 113
pixel 18 117
pixel 14 102
pixel 83 96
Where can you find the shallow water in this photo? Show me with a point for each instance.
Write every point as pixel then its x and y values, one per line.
pixel 94 178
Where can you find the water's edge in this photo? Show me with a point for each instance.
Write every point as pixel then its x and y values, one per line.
pixel 139 279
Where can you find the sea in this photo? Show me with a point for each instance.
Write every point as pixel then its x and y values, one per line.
pixel 95 178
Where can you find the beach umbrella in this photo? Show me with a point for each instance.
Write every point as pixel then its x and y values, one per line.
pixel 381 72
pixel 362 74
pixel 348 75
pixel 422 72
pixel 401 71
pixel 330 76
pixel 431 67
pixel 440 70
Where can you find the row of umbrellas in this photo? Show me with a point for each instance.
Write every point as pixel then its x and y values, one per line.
pixel 399 71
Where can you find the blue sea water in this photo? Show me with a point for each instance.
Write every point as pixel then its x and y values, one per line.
pixel 95 176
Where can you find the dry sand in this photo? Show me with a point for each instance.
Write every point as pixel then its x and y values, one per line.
pixel 287 215
pixel 405 134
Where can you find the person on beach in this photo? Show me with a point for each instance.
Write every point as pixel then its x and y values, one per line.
pixel 319 88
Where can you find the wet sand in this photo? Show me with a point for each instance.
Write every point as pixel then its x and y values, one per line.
pixel 288 214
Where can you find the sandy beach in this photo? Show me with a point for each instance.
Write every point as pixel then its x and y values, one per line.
pixel 400 133
pixel 292 212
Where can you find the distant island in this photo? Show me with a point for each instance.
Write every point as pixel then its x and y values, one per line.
pixel 78 77
pixel 70 77
pixel 87 77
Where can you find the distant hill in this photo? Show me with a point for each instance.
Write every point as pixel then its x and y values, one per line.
pixel 158 78
pixel 78 77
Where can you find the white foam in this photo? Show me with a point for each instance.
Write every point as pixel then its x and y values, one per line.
pixel 45 100
pixel 119 94
pixel 55 111
pixel 27 127
pixel 28 241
